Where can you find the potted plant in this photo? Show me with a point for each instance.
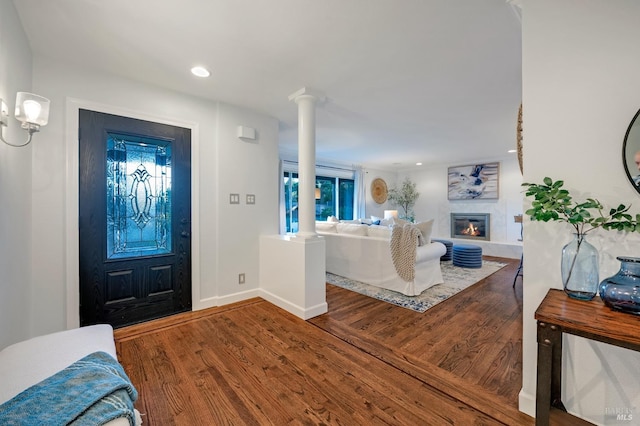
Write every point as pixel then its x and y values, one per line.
pixel 579 268
pixel 405 197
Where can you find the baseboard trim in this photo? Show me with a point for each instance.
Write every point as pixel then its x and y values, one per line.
pixel 212 302
pixel 300 312
pixel 527 403
pixel 492 248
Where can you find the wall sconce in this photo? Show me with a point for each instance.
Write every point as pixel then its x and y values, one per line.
pixel 390 214
pixel 32 110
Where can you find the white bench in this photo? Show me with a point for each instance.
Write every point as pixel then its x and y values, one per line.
pixel 27 363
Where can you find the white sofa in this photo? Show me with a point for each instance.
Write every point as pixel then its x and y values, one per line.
pixel 29 362
pixel 362 253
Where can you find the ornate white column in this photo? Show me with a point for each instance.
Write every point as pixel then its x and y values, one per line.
pixel 306 100
pixel 300 290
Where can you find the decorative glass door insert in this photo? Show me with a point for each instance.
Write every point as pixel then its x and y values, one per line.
pixel 138 196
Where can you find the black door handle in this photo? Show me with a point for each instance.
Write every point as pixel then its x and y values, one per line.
pixel 185 234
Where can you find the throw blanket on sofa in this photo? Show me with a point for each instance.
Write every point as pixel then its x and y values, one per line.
pixel 91 391
pixel 403 245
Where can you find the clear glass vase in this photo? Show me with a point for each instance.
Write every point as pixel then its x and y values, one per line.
pixel 622 290
pixel 580 268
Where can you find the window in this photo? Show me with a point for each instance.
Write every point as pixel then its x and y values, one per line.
pixel 291 201
pixel 336 198
pixel 138 196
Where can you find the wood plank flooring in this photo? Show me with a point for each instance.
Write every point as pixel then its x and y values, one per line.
pixel 476 335
pixel 365 362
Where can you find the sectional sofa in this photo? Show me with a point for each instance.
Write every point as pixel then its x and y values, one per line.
pixel 362 252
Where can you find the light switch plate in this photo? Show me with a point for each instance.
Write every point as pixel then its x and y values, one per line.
pixel 234 198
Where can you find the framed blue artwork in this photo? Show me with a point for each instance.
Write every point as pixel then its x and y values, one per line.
pixel 474 182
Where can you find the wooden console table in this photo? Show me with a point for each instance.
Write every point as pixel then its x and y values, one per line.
pixel 557 314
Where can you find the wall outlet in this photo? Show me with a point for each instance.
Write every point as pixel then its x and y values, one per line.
pixel 241 278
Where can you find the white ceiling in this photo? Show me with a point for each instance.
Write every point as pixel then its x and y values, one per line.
pixel 435 81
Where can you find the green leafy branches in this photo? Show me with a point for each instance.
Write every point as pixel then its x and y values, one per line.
pixel 405 196
pixel 553 203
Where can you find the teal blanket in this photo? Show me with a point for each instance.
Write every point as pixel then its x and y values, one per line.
pixel 91 391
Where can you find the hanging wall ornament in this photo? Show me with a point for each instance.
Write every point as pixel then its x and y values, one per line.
pixel 379 190
pixel 519 138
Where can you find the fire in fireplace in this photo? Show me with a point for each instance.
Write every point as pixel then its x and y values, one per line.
pixel 473 226
pixel 471 230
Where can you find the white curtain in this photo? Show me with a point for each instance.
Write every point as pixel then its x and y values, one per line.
pixel 360 199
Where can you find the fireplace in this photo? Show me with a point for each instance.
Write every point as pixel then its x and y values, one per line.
pixel 473 226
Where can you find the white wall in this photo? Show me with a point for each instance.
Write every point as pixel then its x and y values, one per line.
pixel 371 207
pixel 431 183
pixel 580 91
pixel 15 183
pixel 228 237
pixel 433 201
pixel 245 167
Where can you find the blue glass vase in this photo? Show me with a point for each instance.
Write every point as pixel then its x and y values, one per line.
pixel 580 268
pixel 622 291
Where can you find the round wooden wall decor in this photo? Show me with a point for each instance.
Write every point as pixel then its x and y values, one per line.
pixel 519 138
pixel 379 190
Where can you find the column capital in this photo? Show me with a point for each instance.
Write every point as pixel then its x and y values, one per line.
pixel 305 92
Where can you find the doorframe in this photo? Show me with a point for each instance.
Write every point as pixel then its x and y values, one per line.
pixel 72 195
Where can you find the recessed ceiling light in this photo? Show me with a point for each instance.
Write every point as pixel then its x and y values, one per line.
pixel 418 164
pixel 200 72
pixel 511 151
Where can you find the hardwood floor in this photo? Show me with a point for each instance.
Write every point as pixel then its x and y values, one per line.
pixel 364 362
pixel 475 336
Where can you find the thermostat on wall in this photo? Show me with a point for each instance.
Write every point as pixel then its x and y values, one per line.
pixel 245 132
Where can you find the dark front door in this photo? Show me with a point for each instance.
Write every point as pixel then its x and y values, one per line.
pixel 135 219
